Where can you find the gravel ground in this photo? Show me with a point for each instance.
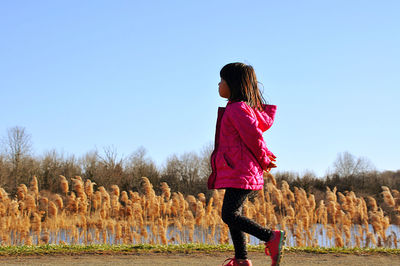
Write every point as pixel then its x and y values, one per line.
pixel 295 259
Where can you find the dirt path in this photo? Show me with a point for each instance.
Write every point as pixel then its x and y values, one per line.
pixel 295 259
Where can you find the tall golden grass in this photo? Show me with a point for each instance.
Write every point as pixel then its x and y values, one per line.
pixel 84 215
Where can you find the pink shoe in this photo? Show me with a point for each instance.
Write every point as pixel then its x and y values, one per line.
pixel 234 262
pixel 274 247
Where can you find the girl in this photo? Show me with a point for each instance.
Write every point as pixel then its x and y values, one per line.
pixel 241 156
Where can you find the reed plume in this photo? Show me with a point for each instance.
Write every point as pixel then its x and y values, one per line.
pixel 64 185
pixel 22 190
pixel 269 177
pixel 166 191
pixel 34 186
pixel 387 197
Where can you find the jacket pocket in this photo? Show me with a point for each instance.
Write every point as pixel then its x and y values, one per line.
pixel 250 162
pixel 228 161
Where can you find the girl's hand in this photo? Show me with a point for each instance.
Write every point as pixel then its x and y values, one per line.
pixel 272 158
pixel 270 166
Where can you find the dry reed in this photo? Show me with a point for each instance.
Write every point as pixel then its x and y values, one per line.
pixel 87 215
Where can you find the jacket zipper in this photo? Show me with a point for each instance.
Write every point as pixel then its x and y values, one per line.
pixel 221 111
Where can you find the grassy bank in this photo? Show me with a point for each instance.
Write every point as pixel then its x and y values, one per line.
pixel 186 248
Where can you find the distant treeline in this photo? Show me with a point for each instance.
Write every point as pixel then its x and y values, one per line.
pixel 186 173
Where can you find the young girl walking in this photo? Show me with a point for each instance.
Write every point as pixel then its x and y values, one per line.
pixel 241 156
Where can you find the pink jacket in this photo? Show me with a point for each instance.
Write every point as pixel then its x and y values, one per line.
pixel 240 154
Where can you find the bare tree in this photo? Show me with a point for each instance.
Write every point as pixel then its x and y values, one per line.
pixel 18 146
pixel 191 163
pixel 52 165
pixel 347 165
pixel 4 171
pixel 110 157
pixel 172 173
pixel 111 168
pixel 17 143
pixel 138 166
pixel 205 160
pixel 183 173
pixel 89 164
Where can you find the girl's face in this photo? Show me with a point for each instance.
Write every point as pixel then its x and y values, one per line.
pixel 224 90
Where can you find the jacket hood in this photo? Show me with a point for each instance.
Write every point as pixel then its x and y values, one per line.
pixel 266 117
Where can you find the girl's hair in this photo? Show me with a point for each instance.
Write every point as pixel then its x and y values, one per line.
pixel 243 85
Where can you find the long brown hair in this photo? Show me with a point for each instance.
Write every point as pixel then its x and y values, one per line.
pixel 243 85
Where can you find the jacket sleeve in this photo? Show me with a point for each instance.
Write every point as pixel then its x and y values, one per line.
pixel 245 122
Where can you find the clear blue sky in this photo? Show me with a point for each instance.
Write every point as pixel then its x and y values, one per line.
pixel 80 75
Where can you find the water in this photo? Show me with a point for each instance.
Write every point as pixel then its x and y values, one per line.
pixel 319 237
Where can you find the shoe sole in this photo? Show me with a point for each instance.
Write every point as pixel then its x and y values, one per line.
pixel 281 247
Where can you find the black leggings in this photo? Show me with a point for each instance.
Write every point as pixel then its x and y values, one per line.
pixel 239 224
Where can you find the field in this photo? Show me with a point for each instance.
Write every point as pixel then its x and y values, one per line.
pixel 83 215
